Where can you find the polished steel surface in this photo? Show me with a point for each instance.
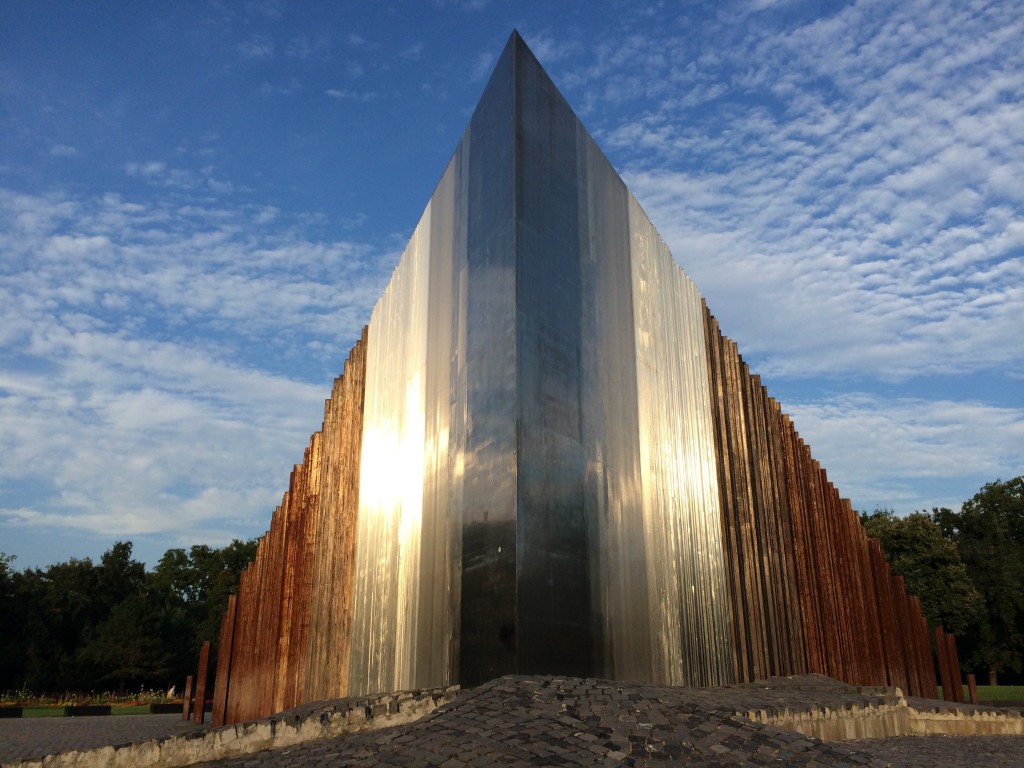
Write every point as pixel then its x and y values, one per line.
pixel 386 578
pixel 685 567
pixel 622 630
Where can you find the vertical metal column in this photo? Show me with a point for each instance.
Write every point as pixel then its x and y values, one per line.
pixel 222 678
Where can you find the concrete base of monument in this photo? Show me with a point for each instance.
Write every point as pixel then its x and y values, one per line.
pixel 563 719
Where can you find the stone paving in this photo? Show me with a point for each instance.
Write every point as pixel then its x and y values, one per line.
pixel 38 736
pixel 530 721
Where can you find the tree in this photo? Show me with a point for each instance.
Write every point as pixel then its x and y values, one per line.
pixel 80 625
pixel 989 534
pixel 131 644
pixel 12 635
pixel 197 584
pixel 931 566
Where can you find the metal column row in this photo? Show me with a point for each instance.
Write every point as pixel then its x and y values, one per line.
pixel 284 637
pixel 808 591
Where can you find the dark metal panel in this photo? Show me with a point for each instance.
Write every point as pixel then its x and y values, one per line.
pixel 488 622
pixel 553 589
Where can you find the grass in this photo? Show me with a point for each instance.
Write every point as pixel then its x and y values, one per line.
pixel 115 709
pixel 998 693
pixel 994 694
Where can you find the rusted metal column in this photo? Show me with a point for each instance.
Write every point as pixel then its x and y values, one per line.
pixel 186 708
pixel 922 653
pixel 829 597
pixel 907 623
pixel 865 628
pixel 791 616
pixel 742 499
pixel 270 610
pixel 942 651
pixel 293 642
pixel 240 684
pixel 294 619
pixel 766 530
pixel 272 657
pixel 808 577
pixel 954 667
pixel 330 613
pixel 931 690
pixel 869 600
pixel 730 544
pixel 893 657
pixel 222 676
pixel 901 651
pixel 204 662
pixel 972 687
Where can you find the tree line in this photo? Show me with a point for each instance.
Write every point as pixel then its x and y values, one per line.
pixel 113 625
pixel 967 567
pixel 80 625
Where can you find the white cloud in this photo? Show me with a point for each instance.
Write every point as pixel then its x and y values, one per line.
pixel 413 52
pixel 548 49
pixel 865 200
pixel 877 449
pixel 133 402
pixel 482 66
pixel 348 93
pixel 256 48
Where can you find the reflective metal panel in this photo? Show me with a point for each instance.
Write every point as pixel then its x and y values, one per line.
pixel 685 569
pixel 613 497
pixel 386 597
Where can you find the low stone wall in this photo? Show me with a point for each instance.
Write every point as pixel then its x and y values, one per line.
pixel 288 728
pixel 871 722
pixel 965 721
pixel 892 715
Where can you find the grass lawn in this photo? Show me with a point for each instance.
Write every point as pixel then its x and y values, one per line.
pixel 42 712
pixel 998 693
pixel 994 693
pixel 131 709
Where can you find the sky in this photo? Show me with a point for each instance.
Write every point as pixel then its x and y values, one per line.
pixel 201 201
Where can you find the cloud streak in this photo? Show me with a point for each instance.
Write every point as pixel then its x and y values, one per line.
pixel 132 402
pixel 861 191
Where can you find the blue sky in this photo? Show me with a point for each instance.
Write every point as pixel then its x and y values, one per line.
pixel 201 201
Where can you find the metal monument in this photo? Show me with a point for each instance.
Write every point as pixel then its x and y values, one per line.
pixel 544 457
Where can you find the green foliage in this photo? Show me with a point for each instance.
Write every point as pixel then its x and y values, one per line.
pixel 197 583
pixel 77 625
pixel 931 566
pixel 989 534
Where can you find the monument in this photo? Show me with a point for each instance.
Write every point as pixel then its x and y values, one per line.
pixel 544 457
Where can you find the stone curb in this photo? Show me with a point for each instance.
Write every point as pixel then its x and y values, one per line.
pixel 314 721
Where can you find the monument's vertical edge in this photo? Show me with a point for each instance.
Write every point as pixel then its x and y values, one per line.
pixel 487 630
pixel 553 581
